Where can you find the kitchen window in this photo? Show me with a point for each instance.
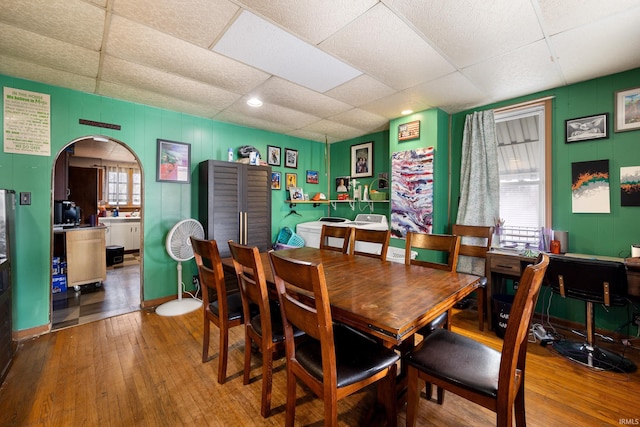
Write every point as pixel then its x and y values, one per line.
pixel 123 186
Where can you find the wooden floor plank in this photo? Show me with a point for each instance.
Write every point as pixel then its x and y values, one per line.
pixel 145 370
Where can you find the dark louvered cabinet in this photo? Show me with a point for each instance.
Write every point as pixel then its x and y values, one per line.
pixel 234 203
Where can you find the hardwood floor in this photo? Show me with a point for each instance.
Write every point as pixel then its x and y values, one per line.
pixel 145 370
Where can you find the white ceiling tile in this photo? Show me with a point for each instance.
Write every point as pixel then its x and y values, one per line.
pixel 312 136
pixel 336 130
pixel 128 74
pixel 28 70
pixel 143 45
pixel 521 72
pixel 48 52
pixel 453 92
pixel 562 15
pixel 391 106
pixel 581 54
pixel 197 21
pixel 273 113
pixel 314 20
pixel 286 94
pixel 471 31
pixel 359 91
pixel 361 119
pixel 140 96
pixel 72 21
pixel 379 43
pixel 243 120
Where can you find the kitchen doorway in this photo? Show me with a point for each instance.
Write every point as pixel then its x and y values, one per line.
pixel 101 178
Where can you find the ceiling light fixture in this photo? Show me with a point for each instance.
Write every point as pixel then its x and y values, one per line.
pixel 100 139
pixel 254 102
pixel 260 44
pixel 405 112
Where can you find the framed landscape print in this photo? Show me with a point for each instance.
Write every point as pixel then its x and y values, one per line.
pixel 627 107
pixel 312 177
pixel 172 162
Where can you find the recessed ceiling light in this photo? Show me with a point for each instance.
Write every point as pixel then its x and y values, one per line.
pixel 254 102
pixel 256 42
pixel 405 112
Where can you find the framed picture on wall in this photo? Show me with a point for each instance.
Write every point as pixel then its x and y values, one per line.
pixel 291 180
pixel 587 128
pixel 627 107
pixel 295 193
pixel 312 177
pixel 173 160
pixel 362 160
pixel 273 155
pixel 409 131
pixel 290 158
pixel 276 178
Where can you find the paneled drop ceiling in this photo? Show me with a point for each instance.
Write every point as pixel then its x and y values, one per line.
pixel 397 54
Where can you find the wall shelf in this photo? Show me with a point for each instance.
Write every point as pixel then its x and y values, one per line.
pixel 333 203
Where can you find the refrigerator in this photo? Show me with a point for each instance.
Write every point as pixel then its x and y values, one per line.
pixel 7 239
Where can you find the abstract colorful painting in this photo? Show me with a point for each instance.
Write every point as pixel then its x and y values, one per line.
pixel 590 187
pixel 411 192
pixel 630 186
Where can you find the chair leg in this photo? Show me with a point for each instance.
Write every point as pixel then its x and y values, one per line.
pixel 267 375
pixel 247 358
pixel 205 341
pixel 391 408
pixel 482 298
pixel 521 420
pixel 413 394
pixel 222 362
pixel 291 398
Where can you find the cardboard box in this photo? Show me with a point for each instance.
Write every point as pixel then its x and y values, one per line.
pixel 59 283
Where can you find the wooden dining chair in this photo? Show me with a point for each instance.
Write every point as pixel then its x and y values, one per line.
pixel 334 361
pixel 475 243
pixel 219 307
pixel 263 328
pixel 335 232
pixel 380 237
pixel 474 371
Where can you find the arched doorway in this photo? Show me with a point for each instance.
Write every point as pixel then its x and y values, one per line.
pixel 99 175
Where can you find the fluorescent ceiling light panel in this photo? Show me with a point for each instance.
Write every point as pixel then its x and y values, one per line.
pixel 262 45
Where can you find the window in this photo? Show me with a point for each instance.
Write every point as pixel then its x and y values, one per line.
pixel 524 150
pixel 123 186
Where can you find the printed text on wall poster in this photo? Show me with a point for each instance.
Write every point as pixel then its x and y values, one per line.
pixel 27 122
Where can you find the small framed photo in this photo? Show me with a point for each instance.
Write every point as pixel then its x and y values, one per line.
pixel 273 155
pixel 312 177
pixel 627 108
pixel 276 180
pixel 290 158
pixel 173 162
pixel 409 131
pixel 295 193
pixel 291 180
pixel 587 128
pixel 342 184
pixel 362 160
pixel 383 180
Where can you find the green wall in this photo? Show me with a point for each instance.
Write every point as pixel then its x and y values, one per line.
pixel 599 234
pixel 164 203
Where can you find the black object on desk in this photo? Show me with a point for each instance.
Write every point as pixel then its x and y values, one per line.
pixel 593 281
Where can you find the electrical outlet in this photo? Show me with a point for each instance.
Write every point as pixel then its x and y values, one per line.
pixel 195 280
pixel 636 319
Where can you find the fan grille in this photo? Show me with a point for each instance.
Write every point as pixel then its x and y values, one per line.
pixel 179 239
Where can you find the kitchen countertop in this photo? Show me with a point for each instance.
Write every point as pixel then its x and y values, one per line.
pixel 118 218
pixel 77 228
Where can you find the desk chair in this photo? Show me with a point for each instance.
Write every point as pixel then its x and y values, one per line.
pixel 475 243
pixel 225 311
pixel 334 232
pixel 593 281
pixel 334 361
pixel 450 246
pixel 371 236
pixel 475 371
pixel 264 328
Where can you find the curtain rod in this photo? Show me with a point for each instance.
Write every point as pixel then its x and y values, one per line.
pixel 523 104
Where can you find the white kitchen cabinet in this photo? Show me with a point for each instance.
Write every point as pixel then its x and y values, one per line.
pixel 123 232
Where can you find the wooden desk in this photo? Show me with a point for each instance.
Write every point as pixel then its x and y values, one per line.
pixel 388 300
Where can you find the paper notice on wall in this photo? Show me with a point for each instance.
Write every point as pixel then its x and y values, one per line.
pixel 27 122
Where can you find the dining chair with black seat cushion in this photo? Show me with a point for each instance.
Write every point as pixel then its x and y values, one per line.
pixel 449 246
pixel 334 361
pixel 335 232
pixel 263 328
pixel 380 237
pixel 474 245
pixel 474 371
pixel 220 308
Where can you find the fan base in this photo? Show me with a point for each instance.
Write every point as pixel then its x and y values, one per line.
pixel 178 307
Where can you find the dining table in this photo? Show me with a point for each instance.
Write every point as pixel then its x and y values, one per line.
pixel 387 300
